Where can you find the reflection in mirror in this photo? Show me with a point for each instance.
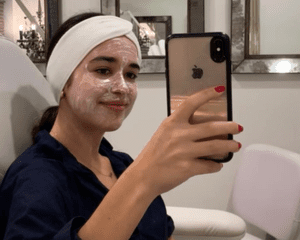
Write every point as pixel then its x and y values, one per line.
pixel 152 36
pixel 152 33
pixel 177 10
pixel 161 13
pixel 31 23
pixel 261 36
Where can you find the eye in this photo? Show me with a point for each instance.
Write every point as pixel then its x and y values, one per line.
pixel 103 71
pixel 131 75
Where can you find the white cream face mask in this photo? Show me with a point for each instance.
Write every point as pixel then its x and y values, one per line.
pixel 86 35
pixel 103 88
pixel 125 53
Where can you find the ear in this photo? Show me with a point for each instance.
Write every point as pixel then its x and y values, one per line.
pixel 62 94
pixel 66 87
pixel 69 82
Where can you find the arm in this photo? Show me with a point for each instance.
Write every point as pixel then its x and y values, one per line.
pixel 169 159
pixel 171 238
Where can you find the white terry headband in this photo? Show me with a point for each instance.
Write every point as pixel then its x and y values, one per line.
pixel 78 41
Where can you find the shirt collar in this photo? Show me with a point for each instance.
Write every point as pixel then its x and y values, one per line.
pixel 44 134
pixel 49 147
pixel 105 145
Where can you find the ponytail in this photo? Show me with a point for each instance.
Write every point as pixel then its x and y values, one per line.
pixel 46 122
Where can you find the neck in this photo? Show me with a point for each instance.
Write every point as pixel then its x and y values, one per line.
pixel 82 141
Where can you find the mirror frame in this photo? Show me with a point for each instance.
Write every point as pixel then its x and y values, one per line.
pixel 114 10
pixel 242 61
pixel 51 20
pixel 155 64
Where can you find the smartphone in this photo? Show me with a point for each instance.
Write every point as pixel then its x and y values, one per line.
pixel 194 62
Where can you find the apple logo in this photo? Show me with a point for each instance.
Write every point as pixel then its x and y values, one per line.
pixel 197 72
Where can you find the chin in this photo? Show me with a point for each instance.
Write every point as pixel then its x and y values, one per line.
pixel 113 128
pixel 109 123
pixel 115 124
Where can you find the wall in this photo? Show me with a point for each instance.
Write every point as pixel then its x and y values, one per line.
pixel 266 105
pixel 70 8
pixel 8 20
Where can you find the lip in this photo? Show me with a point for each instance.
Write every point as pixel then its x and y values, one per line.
pixel 118 106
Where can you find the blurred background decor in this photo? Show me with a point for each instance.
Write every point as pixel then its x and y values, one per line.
pixel 30 24
pixel 32 33
pixel 152 32
pixel 110 7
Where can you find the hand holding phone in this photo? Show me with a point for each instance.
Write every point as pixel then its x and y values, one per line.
pixel 177 149
pixel 195 62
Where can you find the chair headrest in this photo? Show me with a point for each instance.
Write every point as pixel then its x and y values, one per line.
pixel 24 95
pixel 266 192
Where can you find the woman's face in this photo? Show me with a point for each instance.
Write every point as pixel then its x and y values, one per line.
pixel 102 88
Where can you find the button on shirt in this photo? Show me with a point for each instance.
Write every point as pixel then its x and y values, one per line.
pixel 47 194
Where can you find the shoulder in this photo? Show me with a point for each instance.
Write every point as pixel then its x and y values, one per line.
pixel 36 185
pixel 35 171
pixel 47 157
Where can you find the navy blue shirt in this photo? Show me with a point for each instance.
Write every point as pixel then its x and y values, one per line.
pixel 47 194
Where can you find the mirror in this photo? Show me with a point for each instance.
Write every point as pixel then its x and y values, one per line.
pixel 265 36
pixel 152 33
pixel 31 24
pixel 164 18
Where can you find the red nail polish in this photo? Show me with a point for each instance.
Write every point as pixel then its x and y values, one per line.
pixel 240 145
pixel 241 128
pixel 220 89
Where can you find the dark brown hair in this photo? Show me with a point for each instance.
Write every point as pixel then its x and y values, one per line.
pixel 48 118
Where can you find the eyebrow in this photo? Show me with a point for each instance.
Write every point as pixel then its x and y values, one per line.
pixel 112 60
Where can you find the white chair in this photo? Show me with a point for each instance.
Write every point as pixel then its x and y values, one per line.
pixel 206 224
pixel 266 192
pixel 25 94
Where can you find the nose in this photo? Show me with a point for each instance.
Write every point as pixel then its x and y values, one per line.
pixel 119 84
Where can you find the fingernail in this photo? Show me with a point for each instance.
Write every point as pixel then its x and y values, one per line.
pixel 240 145
pixel 241 128
pixel 220 89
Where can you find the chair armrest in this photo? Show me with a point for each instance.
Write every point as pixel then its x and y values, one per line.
pixel 207 223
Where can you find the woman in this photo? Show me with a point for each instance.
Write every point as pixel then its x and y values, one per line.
pixel 65 186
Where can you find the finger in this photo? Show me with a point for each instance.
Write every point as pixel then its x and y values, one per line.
pixel 217 158
pixel 205 166
pixel 200 118
pixel 212 148
pixel 212 129
pixel 192 103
